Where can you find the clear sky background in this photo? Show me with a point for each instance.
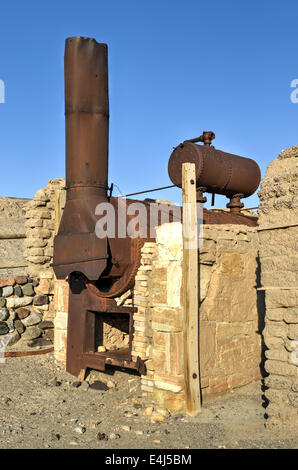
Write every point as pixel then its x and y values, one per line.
pixel 176 68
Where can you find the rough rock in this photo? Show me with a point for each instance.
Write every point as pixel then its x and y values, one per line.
pixel 10 338
pixel 44 287
pixel 157 418
pixel 126 428
pixel 7 291
pixel 33 343
pixel 48 334
pixel 18 291
pixel 19 326
pixel 111 384
pixel 40 300
pixel 21 279
pixel 10 324
pixel 4 314
pixel 28 289
pixel 97 385
pixel 162 411
pixel 32 332
pixel 80 429
pixel 32 319
pixel 76 384
pixel 55 382
pixel 84 386
pixel 46 324
pixel 14 302
pixel 7 281
pixel 3 328
pixel 22 312
pixel 148 411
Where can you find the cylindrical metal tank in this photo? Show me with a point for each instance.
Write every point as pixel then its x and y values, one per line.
pixel 218 172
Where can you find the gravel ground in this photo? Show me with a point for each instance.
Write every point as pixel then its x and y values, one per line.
pixel 40 407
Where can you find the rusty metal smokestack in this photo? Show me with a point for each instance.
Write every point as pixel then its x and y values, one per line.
pixel 86 114
pixel 76 247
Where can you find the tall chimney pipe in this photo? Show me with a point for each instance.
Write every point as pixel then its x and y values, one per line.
pixel 76 247
pixel 86 114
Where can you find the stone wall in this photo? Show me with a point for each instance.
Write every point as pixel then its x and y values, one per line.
pixel 230 316
pixel 24 312
pixel 278 234
pixel 40 223
pixel 26 278
pixel 230 336
pixel 12 235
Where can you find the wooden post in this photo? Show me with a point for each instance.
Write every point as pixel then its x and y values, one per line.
pixel 190 291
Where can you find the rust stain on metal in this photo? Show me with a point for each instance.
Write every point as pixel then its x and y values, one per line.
pixel 217 172
pixel 76 247
pixel 225 217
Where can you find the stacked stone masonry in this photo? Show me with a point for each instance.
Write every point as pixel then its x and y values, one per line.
pixel 26 312
pixel 12 235
pixel 40 224
pixel 230 336
pixel 27 289
pixel 278 234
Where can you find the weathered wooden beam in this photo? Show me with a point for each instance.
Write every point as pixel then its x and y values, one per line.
pixel 190 291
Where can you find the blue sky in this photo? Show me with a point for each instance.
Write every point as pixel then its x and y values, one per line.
pixel 176 68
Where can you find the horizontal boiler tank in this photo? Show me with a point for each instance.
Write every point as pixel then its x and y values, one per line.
pixel 218 172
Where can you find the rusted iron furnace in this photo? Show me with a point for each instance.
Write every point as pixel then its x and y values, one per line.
pixel 101 269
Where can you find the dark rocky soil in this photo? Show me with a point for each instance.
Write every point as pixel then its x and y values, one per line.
pixel 40 407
